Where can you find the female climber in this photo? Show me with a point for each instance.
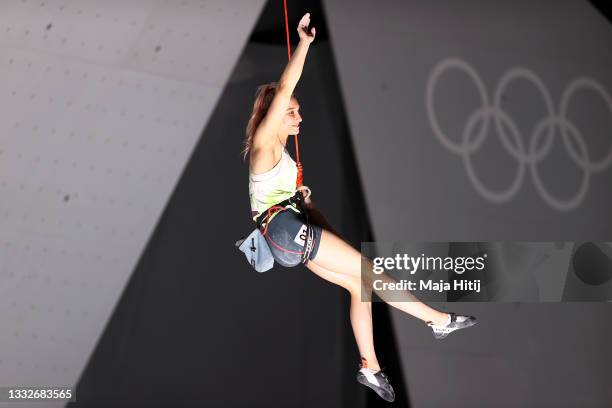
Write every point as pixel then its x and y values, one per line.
pixel 293 228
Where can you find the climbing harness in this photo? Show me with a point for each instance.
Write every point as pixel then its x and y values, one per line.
pixel 297 201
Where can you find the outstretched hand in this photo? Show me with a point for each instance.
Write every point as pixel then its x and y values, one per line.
pixel 302 29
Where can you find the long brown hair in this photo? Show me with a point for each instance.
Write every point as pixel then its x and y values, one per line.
pixel 263 99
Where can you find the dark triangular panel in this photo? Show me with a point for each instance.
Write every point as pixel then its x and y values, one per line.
pixel 604 8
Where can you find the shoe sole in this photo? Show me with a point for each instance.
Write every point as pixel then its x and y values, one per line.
pixel 474 323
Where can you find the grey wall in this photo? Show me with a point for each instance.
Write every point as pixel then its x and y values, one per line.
pixel 418 185
pixel 412 75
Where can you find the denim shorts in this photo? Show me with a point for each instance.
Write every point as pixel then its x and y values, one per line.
pixel 286 235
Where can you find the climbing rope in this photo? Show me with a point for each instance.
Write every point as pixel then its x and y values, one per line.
pixel 299 182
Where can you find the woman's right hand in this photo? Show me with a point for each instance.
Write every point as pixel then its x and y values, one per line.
pixel 302 29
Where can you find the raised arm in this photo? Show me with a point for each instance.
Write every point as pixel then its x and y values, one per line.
pixel 265 136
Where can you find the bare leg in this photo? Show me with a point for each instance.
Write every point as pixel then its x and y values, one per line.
pixel 336 255
pixel 361 313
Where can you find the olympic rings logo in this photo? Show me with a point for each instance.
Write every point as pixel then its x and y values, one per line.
pixel 526 156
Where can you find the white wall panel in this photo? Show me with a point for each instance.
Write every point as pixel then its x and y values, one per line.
pixel 102 106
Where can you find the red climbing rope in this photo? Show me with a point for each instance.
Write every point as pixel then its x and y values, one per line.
pixel 287 30
pixel 300 176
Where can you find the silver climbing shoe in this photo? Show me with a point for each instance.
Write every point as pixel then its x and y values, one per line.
pixel 378 381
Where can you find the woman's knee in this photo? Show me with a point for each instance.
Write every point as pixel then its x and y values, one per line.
pixel 354 286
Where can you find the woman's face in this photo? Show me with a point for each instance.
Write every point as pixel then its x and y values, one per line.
pixel 292 119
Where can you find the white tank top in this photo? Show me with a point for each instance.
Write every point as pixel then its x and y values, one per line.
pixel 273 186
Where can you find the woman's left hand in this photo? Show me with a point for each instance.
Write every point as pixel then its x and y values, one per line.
pixel 305 190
